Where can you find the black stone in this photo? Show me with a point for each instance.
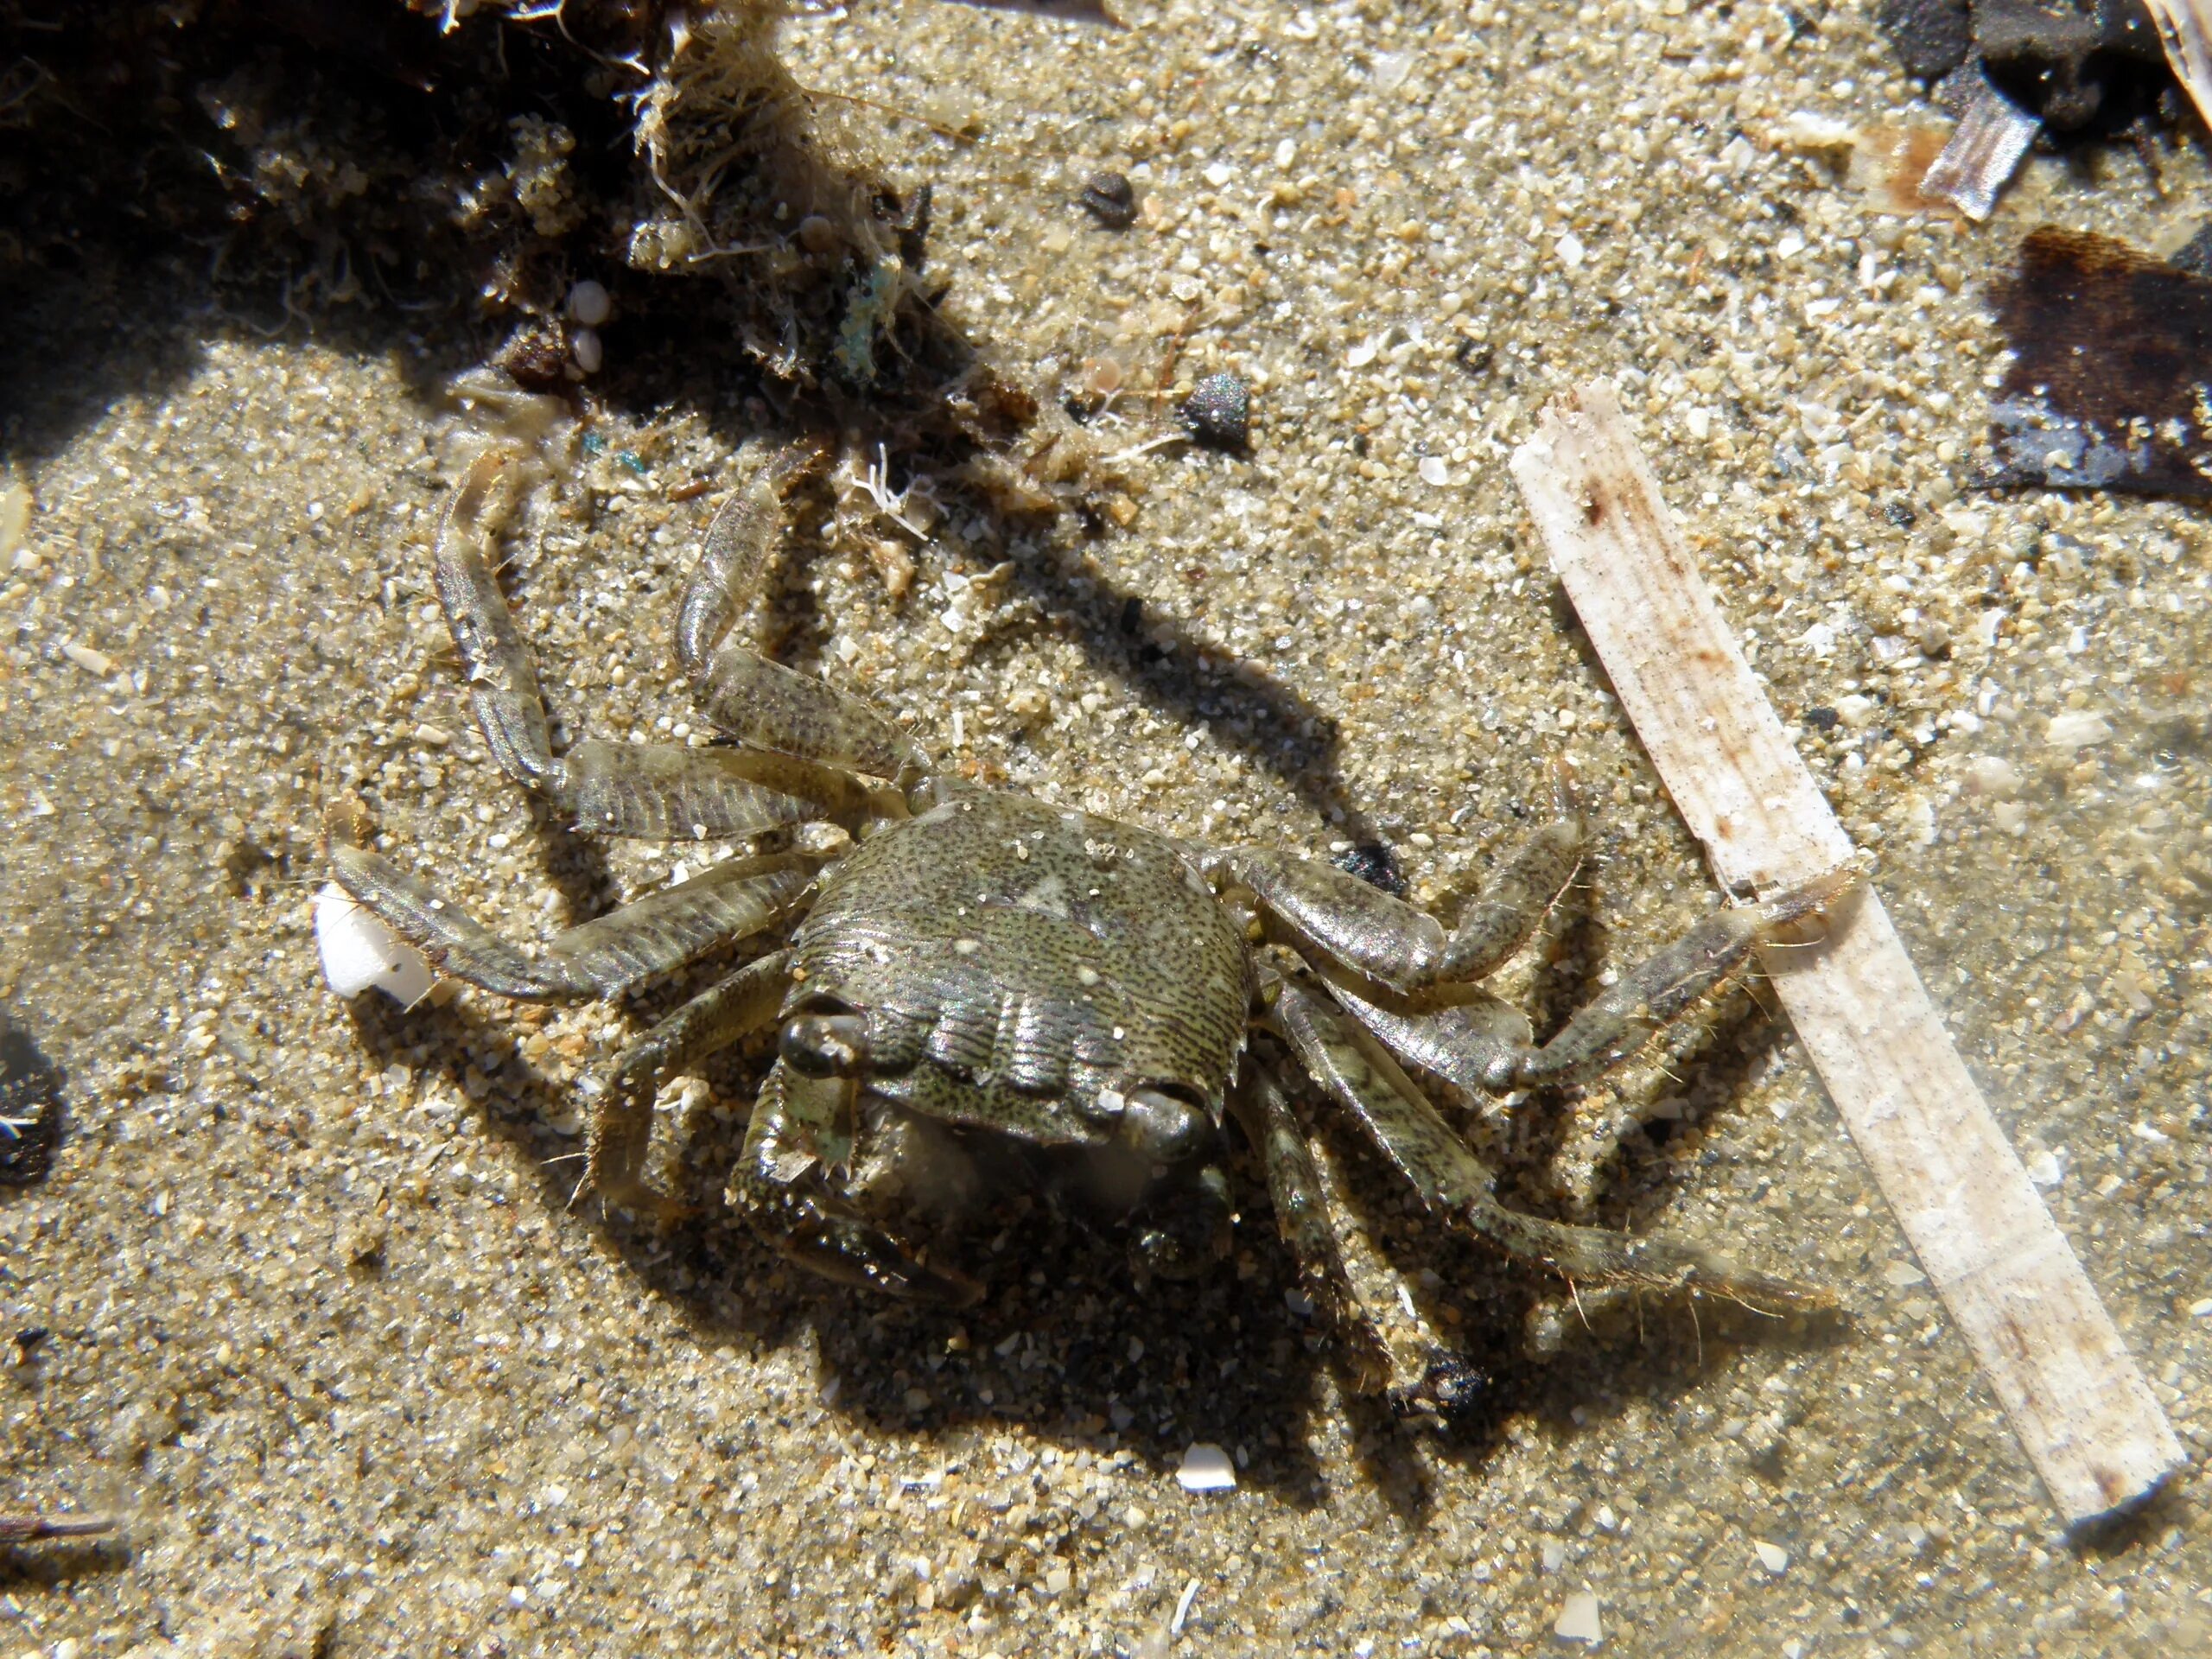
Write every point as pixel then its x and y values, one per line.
pixel 1930 37
pixel 2062 59
pixel 1823 719
pixel 1375 864
pixel 1218 411
pixel 1110 199
pixel 30 1102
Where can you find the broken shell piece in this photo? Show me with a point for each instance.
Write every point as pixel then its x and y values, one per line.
pixel 1206 1468
pixel 1983 154
pixel 1578 1620
pixel 360 953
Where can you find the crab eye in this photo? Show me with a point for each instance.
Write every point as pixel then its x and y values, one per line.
pixel 822 1045
pixel 1162 1128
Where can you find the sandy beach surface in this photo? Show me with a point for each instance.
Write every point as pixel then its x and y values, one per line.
pixel 319 1325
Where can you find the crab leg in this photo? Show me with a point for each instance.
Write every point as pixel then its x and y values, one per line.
pixel 757 702
pixel 1367 1082
pixel 604 957
pixel 724 1014
pixel 1330 913
pixel 659 790
pixel 783 1188
pixel 1263 1107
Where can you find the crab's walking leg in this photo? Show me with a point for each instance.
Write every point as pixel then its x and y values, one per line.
pixel 1662 988
pixel 782 1185
pixel 1328 912
pixel 1301 1206
pixel 757 702
pixel 1367 1082
pixel 659 790
pixel 602 958
pixel 1404 975
pixel 621 1125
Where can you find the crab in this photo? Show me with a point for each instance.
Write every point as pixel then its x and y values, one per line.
pixel 969 973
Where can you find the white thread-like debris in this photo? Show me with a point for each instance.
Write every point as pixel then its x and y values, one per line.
pixel 2083 1411
pixel 360 953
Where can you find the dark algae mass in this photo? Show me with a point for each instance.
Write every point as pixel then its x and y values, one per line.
pixel 2110 383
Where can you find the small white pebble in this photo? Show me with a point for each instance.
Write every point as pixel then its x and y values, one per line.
pixel 1570 249
pixel 2201 1309
pixel 1434 471
pixel 1206 1468
pixel 1364 354
pixel 1900 1275
pixel 585 345
pixel 2046 1169
pixel 2077 730
pixel 1991 774
pixel 93 662
pixel 1773 1557
pixel 1057 1580
pixel 1553 1555
pixel 1855 710
pixel 359 952
pixel 1219 173
pixel 1286 152
pixel 1578 1620
pixel 589 303
pixel 1790 246
pixel 1802 130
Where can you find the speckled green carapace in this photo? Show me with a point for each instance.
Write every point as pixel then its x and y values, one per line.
pixel 974 970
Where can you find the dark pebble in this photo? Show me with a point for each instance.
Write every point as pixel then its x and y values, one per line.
pixel 1111 199
pixel 1823 719
pixel 1900 513
pixel 1930 37
pixel 30 1101
pixel 1375 864
pixel 1218 411
pixel 537 355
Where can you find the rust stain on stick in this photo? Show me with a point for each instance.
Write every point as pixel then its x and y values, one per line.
pixel 2050 1350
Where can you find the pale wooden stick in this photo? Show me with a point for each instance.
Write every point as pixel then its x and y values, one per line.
pixel 2085 1415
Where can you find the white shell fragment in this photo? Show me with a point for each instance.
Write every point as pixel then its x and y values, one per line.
pixel 1773 1557
pixel 1206 1468
pixel 360 953
pixel 2077 730
pixel 1578 1620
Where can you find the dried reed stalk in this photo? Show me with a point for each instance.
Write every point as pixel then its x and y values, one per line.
pixel 2083 1411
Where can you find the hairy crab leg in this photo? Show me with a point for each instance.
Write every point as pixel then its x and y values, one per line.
pixel 1326 911
pixel 659 790
pixel 719 1017
pixel 1347 1062
pixel 600 959
pixel 782 1187
pixel 756 701
pixel 1662 988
